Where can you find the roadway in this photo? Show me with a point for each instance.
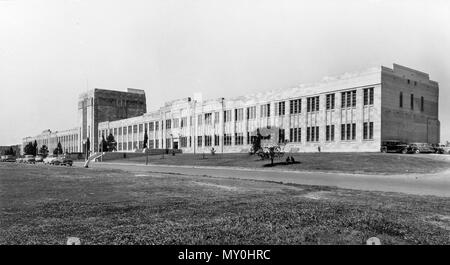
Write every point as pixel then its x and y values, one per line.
pixel 420 184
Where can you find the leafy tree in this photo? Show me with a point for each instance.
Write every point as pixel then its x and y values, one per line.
pixel 145 139
pixel 28 149
pixel 104 144
pixel 35 148
pixel 9 151
pixel 43 150
pixel 256 143
pixel 111 143
pixel 58 150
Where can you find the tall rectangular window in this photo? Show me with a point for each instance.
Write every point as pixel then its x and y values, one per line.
pixel 251 113
pixel 295 106
pixel 216 117
pixel 330 101
pixel 208 140
pixel 239 114
pixel 365 130
pixel 265 110
pixel 199 119
pixel 199 141
pixel 312 104
pixel 329 133
pixel 238 138
pixel 342 131
pixel 208 119
pixel 281 136
pixel 227 115
pixel 421 104
pixel 216 139
pixel 368 96
pixel 156 125
pixel 412 101
pixel 168 123
pixel 401 99
pixel 353 131
pixel 280 108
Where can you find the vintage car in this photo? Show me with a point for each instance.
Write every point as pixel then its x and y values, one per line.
pixel 63 161
pixel 395 146
pixel 50 159
pixel 28 159
pixel 39 158
pixel 421 148
pixel 7 158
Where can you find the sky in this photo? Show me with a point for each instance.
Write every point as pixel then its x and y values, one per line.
pixel 53 50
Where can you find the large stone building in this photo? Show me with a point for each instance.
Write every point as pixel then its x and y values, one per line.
pixel 352 112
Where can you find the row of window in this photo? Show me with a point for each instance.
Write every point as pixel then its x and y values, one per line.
pixel 348 99
pixel 411 102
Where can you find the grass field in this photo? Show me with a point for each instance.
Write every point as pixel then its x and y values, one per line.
pixel 372 163
pixel 45 205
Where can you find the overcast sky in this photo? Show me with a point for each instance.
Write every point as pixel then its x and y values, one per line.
pixel 52 50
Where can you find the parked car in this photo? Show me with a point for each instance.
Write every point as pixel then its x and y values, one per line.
pixel 50 159
pixel 63 161
pixel 19 160
pixel 395 146
pixel 29 159
pixel 7 158
pixel 39 158
pixel 421 148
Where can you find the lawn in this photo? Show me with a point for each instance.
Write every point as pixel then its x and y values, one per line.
pixel 45 205
pixel 371 163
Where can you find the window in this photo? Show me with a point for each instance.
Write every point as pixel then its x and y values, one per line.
pixel 156 143
pixel 168 124
pixel 120 131
pixel 227 115
pixel 265 110
pixel 329 133
pixel 312 104
pixel 348 131
pixel 280 108
pixel 238 114
pixel 115 130
pixel 135 128
pixel 348 99
pixel 208 119
pixel 421 104
pixel 281 136
pixel 312 134
pixel 216 117
pixel 199 119
pixel 368 96
pixel 129 129
pixel 183 122
pixel 295 135
pixel 238 138
pixel 176 122
pixel 156 125
pixel 216 140
pixel 199 141
pixel 251 113
pixel 368 130
pixel 227 139
pixel 183 141
pixel 295 106
pixel 412 101
pixel 330 101
pixel 151 144
pixel 141 127
pixel 401 99
pixel 208 140
pixel 409 81
pixel 168 143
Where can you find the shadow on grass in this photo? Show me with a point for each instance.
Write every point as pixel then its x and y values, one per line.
pixel 281 164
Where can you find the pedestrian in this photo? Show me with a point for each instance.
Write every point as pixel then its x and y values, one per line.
pixel 318 148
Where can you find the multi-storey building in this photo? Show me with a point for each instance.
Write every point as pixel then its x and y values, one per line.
pixel 349 113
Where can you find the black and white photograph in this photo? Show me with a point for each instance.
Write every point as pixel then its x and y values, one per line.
pixel 215 123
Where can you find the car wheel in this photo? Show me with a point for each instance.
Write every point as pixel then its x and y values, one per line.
pixel 404 151
pixel 417 151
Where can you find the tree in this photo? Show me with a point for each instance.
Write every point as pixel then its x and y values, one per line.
pixel 9 151
pixel 35 148
pixel 104 144
pixel 28 149
pixel 256 143
pixel 111 143
pixel 145 139
pixel 58 150
pixel 44 150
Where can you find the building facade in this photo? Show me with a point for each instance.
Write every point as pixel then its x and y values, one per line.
pixel 350 113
